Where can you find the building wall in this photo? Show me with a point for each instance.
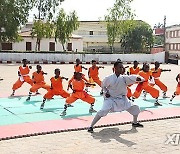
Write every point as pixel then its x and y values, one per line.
pixel 21 46
pixel 173 39
pixel 98 40
pixel 157 50
pixel 83 57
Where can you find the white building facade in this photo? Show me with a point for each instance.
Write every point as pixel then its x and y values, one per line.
pixel 95 37
pixel 173 40
pixel 75 44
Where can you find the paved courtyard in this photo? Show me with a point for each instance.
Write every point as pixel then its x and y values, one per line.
pixel 118 139
pixel 112 140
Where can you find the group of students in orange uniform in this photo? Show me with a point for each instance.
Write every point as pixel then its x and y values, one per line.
pixel 151 77
pixel 78 83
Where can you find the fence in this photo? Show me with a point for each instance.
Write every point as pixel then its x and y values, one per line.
pixel 60 57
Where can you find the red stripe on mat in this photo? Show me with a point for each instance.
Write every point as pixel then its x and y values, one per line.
pixel 52 126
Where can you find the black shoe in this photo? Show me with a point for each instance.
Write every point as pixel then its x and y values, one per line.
pixel 69 105
pixel 63 113
pixel 101 93
pixel 28 99
pixel 91 110
pixel 42 106
pixel 90 130
pixel 133 99
pixel 137 125
pixel 157 104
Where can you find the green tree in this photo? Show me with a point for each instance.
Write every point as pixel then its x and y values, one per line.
pixel 13 14
pixel 46 8
pixel 41 30
pixel 159 25
pixel 118 14
pixel 137 37
pixel 159 40
pixel 65 25
pixel 43 26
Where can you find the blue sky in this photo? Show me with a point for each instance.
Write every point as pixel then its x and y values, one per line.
pixel 151 11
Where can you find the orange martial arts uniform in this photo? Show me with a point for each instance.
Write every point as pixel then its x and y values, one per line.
pixel 79 93
pixel 56 89
pixel 93 73
pixel 78 68
pixel 178 87
pixel 24 71
pixel 39 82
pixel 156 74
pixel 134 71
pixel 145 86
pixel 83 78
pixel 131 72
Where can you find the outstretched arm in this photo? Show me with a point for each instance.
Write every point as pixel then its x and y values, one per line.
pixel 44 73
pixel 84 67
pixel 90 84
pixel 165 70
pixel 131 79
pixel 64 78
pixel 101 67
pixel 139 79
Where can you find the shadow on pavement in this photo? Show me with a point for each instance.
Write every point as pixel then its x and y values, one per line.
pixel 108 134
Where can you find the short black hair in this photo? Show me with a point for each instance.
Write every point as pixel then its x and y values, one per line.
pixel 57 69
pixel 93 61
pixel 145 64
pixel 117 63
pixel 77 73
pixel 156 62
pixel 38 66
pixel 135 61
pixel 24 60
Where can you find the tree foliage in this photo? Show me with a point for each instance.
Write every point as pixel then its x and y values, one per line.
pixel 65 25
pixel 43 26
pixel 159 40
pixel 13 14
pixel 120 12
pixel 46 8
pixel 159 25
pixel 41 30
pixel 138 36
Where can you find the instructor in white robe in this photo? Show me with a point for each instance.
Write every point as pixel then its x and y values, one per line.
pixel 115 99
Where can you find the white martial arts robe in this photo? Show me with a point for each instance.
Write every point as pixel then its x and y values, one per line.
pixel 118 101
